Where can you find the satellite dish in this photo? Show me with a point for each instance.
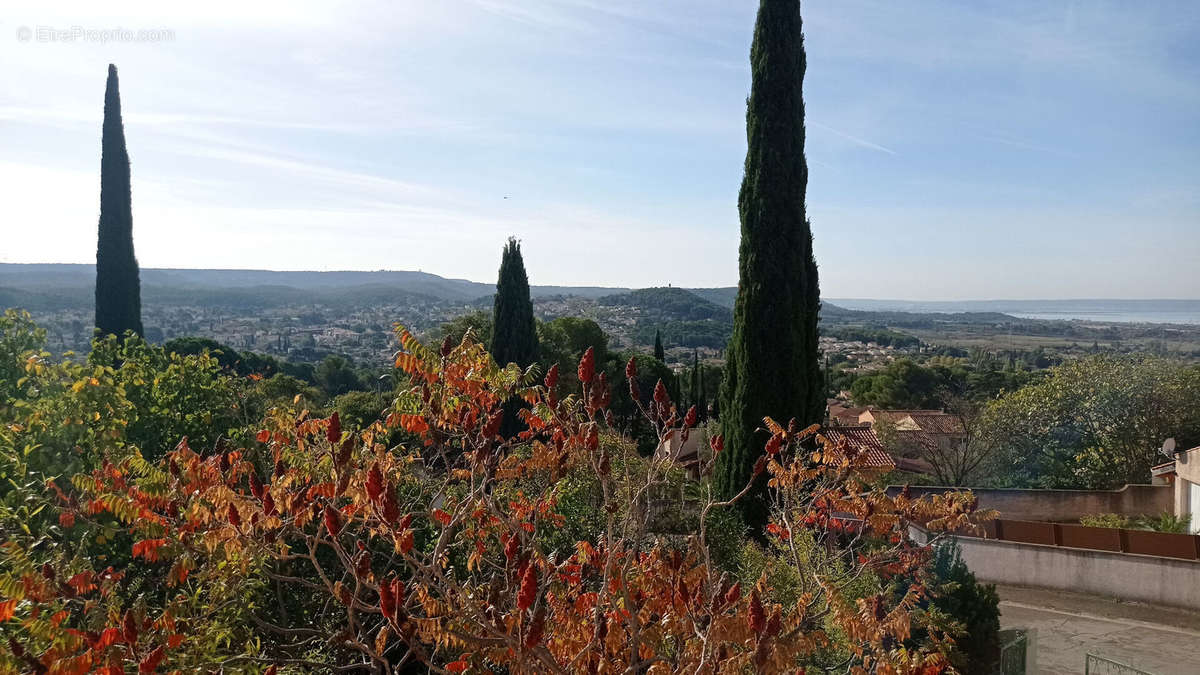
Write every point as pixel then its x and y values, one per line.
pixel 1168 448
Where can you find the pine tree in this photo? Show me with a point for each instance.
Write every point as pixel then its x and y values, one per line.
pixel 118 289
pixel 659 352
pixel 771 367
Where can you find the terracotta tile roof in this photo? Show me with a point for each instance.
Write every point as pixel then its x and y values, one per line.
pixel 864 439
pixel 937 422
pixel 929 421
pixel 914 439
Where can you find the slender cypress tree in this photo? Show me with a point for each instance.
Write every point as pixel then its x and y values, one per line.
pixel 696 395
pixel 772 364
pixel 659 352
pixel 118 289
pixel 514 333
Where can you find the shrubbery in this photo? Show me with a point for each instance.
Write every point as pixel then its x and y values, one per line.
pixel 297 542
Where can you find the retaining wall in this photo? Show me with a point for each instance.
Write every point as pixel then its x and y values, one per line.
pixel 1128 576
pixel 1064 505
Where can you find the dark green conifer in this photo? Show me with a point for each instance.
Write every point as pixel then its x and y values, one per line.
pixel 118 288
pixel 514 333
pixel 659 352
pixel 697 396
pixel 772 366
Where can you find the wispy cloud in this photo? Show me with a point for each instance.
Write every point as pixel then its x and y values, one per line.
pixel 862 142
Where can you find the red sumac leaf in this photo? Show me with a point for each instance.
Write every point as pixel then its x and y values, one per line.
pixel 773 444
pixel 129 628
pixel 333 522
pixel 333 433
pixel 529 588
pixel 660 393
pixel 587 366
pixel 755 616
pixel 689 420
pixel 734 593
pixel 149 664
pixel 374 483
pixel 256 486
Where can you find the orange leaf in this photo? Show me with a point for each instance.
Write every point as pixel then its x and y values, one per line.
pixel 458 666
pixel 82 582
pixel 414 424
pixel 7 609
pixel 263 436
pixel 150 663
pixel 148 548
pixel 110 636
pixel 442 517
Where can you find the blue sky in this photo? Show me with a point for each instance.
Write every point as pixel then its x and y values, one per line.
pixel 956 149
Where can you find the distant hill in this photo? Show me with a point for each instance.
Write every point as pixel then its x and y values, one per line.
pixel 59 286
pixel 720 296
pixel 669 303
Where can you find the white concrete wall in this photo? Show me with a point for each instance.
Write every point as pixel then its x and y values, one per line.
pixel 1187 475
pixel 1128 576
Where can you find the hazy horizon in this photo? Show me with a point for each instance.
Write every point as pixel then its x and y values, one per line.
pixel 997 150
pixel 535 283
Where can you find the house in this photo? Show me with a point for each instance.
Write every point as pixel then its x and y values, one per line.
pixel 839 412
pixel 1184 474
pixel 683 451
pixel 862 440
pixel 919 432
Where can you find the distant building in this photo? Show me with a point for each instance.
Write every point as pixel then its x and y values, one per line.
pixel 839 412
pixel 919 431
pixel 1184 475
pixel 863 439
pixel 683 451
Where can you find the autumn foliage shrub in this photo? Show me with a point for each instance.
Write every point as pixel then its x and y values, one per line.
pixel 312 547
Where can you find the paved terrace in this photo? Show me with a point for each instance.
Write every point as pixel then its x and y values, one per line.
pixel 1070 625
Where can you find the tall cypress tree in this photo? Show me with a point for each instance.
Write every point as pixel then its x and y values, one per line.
pixel 514 333
pixel 696 395
pixel 772 364
pixel 659 352
pixel 118 288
